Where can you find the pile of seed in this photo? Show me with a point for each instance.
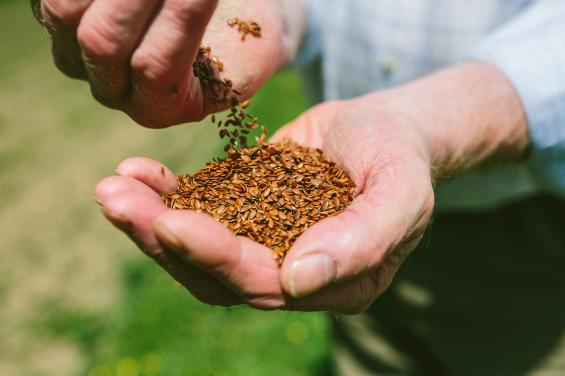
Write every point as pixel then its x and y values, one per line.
pixel 270 193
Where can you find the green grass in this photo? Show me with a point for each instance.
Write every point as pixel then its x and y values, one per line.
pixel 156 319
pixel 76 297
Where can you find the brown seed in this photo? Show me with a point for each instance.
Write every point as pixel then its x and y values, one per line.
pixel 254 194
pixel 221 93
pixel 245 28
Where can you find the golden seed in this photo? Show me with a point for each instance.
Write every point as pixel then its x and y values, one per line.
pixel 270 193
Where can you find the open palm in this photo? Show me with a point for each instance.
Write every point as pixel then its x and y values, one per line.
pixel 342 263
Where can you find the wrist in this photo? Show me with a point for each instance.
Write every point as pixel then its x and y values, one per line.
pixel 469 116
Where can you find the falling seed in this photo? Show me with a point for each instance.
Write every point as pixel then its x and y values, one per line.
pixel 270 193
pixel 245 28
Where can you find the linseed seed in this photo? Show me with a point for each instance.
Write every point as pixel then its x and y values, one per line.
pixel 221 91
pixel 272 206
pixel 244 28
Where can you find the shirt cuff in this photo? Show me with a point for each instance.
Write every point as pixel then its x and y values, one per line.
pixel 529 50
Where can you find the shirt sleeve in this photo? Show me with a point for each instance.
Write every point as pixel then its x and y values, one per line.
pixel 530 50
pixel 311 44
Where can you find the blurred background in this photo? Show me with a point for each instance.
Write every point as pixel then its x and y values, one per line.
pixel 76 297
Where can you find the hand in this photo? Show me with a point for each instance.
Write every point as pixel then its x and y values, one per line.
pixel 137 55
pixel 388 142
pixel 342 263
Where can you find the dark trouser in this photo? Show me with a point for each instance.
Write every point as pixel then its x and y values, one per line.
pixel 483 295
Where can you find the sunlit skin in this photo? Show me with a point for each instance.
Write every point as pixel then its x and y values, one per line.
pixel 394 144
pixel 244 271
pixel 137 55
pixel 393 156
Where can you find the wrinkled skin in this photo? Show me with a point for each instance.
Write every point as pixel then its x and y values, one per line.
pixel 137 55
pixel 356 253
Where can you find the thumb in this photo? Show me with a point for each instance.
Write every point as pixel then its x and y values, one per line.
pixel 392 211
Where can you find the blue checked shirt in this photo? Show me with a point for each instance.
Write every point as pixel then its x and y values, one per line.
pixel 357 46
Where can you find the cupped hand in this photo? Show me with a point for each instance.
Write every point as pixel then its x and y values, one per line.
pixel 137 55
pixel 342 263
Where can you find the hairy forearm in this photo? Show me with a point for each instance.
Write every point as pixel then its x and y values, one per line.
pixel 470 115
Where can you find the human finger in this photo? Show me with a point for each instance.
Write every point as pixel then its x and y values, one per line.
pixel 150 172
pixel 126 201
pixel 108 33
pixel 132 207
pixel 352 296
pixel 162 65
pixel 394 206
pixel 61 19
pixel 112 185
pixel 243 265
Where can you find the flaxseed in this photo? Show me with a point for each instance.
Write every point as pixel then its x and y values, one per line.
pixel 270 206
pixel 270 193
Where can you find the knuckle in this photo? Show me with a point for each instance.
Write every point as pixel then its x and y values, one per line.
pixel 62 12
pixel 148 68
pixel 97 43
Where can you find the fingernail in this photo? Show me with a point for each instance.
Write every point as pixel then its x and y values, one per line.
pixel 310 273
pixel 167 237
